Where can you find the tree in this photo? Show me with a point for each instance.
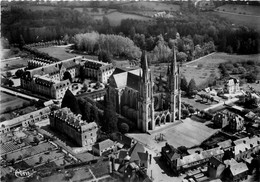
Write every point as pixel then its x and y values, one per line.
pixel 181 57
pixel 110 117
pixel 251 77
pixel 124 128
pixel 94 113
pixel 191 87
pixel 9 74
pixel 19 73
pixel 191 110
pixel 10 83
pixel 104 56
pixel 184 84
pixel 40 159
pixel 36 140
pixel 183 149
pixel 185 113
pixel 71 102
pixel 212 99
pixel 67 75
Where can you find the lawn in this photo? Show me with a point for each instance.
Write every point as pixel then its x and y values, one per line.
pixel 10 102
pixel 58 52
pixel 201 69
pixel 115 18
pixel 155 6
pixel 240 9
pixel 13 64
pixel 240 19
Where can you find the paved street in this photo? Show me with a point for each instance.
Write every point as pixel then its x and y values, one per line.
pixel 18 94
pixel 189 133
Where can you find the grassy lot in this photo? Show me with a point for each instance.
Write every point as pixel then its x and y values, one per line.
pixel 60 52
pixel 13 64
pixel 201 69
pixel 10 102
pixel 57 52
pixel 240 19
pixel 155 6
pixel 115 18
pixel 240 9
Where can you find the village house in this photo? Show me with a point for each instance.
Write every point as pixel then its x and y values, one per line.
pixel 129 164
pixel 104 148
pixel 232 86
pixel 226 145
pixel 245 147
pixel 235 171
pixel 220 119
pixel 227 118
pixel 215 168
pixel 83 133
pixel 179 163
pixel 236 123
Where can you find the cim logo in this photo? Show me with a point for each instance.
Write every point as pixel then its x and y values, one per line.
pixel 22 174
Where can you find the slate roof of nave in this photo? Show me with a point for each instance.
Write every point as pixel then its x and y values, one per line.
pixel 124 78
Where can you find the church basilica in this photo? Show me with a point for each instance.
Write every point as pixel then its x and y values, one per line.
pixel 131 91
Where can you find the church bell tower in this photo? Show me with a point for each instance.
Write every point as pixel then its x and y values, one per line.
pixel 174 86
pixel 145 119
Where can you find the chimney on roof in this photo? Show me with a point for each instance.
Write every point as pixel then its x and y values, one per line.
pixel 240 151
pixel 244 141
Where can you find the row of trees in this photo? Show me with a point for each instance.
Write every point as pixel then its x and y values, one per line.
pixel 115 45
pixel 191 88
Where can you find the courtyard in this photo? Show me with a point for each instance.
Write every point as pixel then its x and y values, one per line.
pixel 187 133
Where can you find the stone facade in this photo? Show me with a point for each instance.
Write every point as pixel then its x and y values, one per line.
pixel 83 133
pixel 131 91
pixel 48 80
pixel 97 70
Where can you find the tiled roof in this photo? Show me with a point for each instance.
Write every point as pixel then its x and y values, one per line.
pixel 143 156
pixel 124 78
pixel 104 144
pixel 133 152
pixel 238 168
pixel 20 119
pixel 215 161
pixel 171 152
pixel 246 144
pixel 197 157
pixel 225 144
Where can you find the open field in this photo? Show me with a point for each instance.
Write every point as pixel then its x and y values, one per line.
pixel 155 6
pixel 115 18
pixel 57 52
pixel 10 102
pixel 202 68
pixel 60 53
pixel 240 19
pixel 240 9
pixel 188 133
pixel 12 64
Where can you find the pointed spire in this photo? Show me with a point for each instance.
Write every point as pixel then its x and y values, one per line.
pixel 144 66
pixel 144 63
